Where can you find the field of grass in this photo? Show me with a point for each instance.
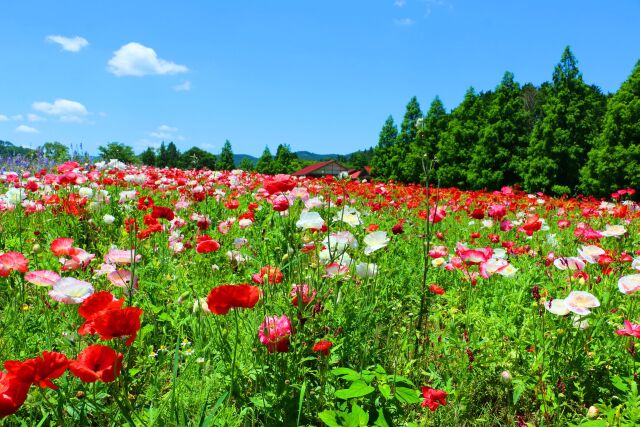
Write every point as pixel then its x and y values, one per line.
pixel 141 296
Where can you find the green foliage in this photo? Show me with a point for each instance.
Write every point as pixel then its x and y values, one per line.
pixel 148 157
pixel 225 159
pixel 381 167
pixel 55 151
pixel 119 151
pixel 501 147
pixel 196 158
pixel 285 161
pixel 265 162
pixel 399 169
pixel 463 130
pixel 560 142
pixel 614 161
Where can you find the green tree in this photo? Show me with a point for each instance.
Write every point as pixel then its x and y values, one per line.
pixel 55 151
pixel 400 169
pixel 162 160
pixel 285 161
pixel 459 141
pixel 497 157
pixel 225 159
pixel 172 155
pixel 614 161
pixel 247 165
pixel 265 162
pixel 119 151
pixel 560 142
pixel 196 158
pixel 425 144
pixel 148 157
pixel 380 162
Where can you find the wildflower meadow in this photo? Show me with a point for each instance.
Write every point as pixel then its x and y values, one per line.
pixel 142 296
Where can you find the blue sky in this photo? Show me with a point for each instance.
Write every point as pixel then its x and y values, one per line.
pixel 320 76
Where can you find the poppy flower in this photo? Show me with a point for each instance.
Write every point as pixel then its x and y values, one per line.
pixel 162 212
pixel 42 277
pixel 95 305
pixel 301 291
pixel 433 398
pixel 40 370
pixel 223 298
pixel 435 289
pixel 207 246
pixel 119 256
pixel 280 203
pixel 97 363
pixel 322 347
pixel 279 184
pixel 61 246
pixel 274 332
pixel 120 322
pixel 71 291
pixel 13 393
pixel 273 274
pixel 13 261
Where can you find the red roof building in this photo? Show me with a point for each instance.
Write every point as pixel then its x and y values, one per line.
pixel 329 167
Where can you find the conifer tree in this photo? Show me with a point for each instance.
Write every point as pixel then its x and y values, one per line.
pixel 265 162
pixel 406 138
pixel 458 142
pixel 380 163
pixel 225 160
pixel 424 146
pixel 614 161
pixel 148 157
pixel 560 142
pixel 501 148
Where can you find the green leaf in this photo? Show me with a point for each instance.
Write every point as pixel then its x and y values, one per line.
pixel 385 390
pixel 518 389
pixel 358 417
pixel 381 420
pixel 407 395
pixel 330 418
pixel 346 374
pixel 357 389
pixel 400 379
pixel 594 423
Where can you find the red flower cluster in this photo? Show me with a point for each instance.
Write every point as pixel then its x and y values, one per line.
pixel 13 261
pixel 433 398
pixel 223 298
pixel 104 316
pixel 322 347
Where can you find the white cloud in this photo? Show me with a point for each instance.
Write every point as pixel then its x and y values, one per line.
pixel 26 129
pixel 35 118
pixel 161 135
pixel 70 44
pixel 134 59
pixel 17 117
pixel 3 118
pixel 165 128
pixel 404 22
pixel 183 87
pixel 65 109
pixel 166 132
pixel 399 3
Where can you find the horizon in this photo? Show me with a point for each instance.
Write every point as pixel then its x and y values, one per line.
pixel 320 78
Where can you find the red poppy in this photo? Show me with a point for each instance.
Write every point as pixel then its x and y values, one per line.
pixel 40 370
pixel 13 261
pixel 121 322
pixel 273 274
pixel 97 362
pixel 94 306
pixel 162 212
pixel 532 224
pixel 61 246
pixel 206 246
pixel 398 228
pixel 279 184
pixel 322 347
pixel 433 398
pixel 280 203
pixel 435 289
pixel 13 393
pixel 223 298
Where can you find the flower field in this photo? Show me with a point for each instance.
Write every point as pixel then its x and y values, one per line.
pixel 141 296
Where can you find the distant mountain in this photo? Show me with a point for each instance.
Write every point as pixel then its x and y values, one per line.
pixel 307 155
pixel 237 158
pixel 302 155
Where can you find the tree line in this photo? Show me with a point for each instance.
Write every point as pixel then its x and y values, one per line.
pixel 563 137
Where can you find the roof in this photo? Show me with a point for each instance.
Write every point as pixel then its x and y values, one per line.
pixel 315 166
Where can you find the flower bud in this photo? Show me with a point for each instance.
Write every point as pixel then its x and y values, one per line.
pixel 592 412
pixel 505 377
